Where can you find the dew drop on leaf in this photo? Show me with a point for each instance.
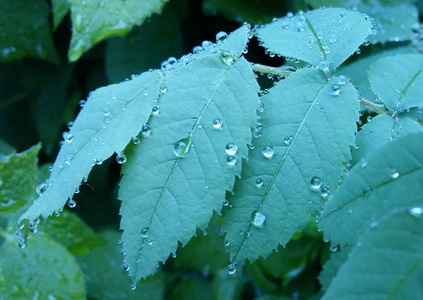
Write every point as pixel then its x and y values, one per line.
pixel 231 269
pixel 227 57
pixel 163 89
pixel 221 37
pixel 106 112
pixel 288 140
pixel 316 183
pixel 68 137
pixel 231 148
pixel 231 160
pixel 146 130
pixel 259 183
pixel 133 286
pixel 155 110
pixel 41 188
pixel 82 103
pixel 136 140
pixel 268 152
pixel 121 158
pixel 335 89
pixel 257 132
pixel 217 123
pixel 416 211
pixel 182 146
pixel 394 174
pixel 145 231
pixel 71 203
pixel 258 219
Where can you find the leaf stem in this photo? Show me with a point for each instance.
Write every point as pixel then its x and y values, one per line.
pixel 373 106
pixel 279 71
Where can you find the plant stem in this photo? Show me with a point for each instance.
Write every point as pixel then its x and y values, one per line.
pixel 373 106
pixel 272 70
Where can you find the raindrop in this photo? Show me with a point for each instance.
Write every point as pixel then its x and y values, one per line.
pixel 325 192
pixel 257 132
pixel 206 45
pixel 259 183
pixel 394 173
pixel 155 110
pixel 258 219
pixel 217 123
pixel 150 242
pixel 333 248
pixel 335 89
pixel 97 161
pixel 227 57
pixel 231 160
pixel 268 152
pixel 68 137
pixel 342 79
pixel 182 146
pixel 416 211
pixel 71 203
pixel 82 103
pixel 288 140
pixel 146 130
pixel 42 188
pixel 221 37
pixel 231 148
pixel 121 158
pixel 145 231
pixel 227 243
pixel 323 65
pixel 259 121
pixel 136 140
pixel 316 183
pixel 106 112
pixel 163 89
pixel 133 286
pixel 231 269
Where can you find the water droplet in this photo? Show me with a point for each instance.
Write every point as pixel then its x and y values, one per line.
pixel 316 183
pixel 325 192
pixel 82 103
pixel 364 164
pixel 323 65
pixel 217 123
pixel 146 130
pixel 335 89
pixel 221 37
pixel 150 242
pixel 163 89
pixel 225 202
pixel 182 146
pixel 268 152
pixel 333 248
pixel 394 173
pixel 374 224
pixel 155 110
pixel 227 57
pixel 42 188
pixel 68 137
pixel 136 140
pixel 206 45
pixel 106 112
pixel 258 219
pixel 416 211
pixel 259 183
pixel 133 286
pixel 145 231
pixel 121 158
pixel 257 132
pixel 231 269
pixel 288 140
pixel 259 121
pixel 231 148
pixel 227 243
pixel 231 160
pixel 71 203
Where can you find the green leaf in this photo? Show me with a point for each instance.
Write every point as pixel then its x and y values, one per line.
pixel 25 30
pixel 6 149
pixel 144 47
pixel 309 122
pixel 105 278
pixel 18 173
pixel 324 38
pixel 387 264
pixel 37 271
pixel 193 288
pixel 381 130
pixel 179 174
pixel 111 116
pixel 403 72
pixel 331 267
pixel 227 286
pixel 60 10
pixel 96 20
pixel 374 188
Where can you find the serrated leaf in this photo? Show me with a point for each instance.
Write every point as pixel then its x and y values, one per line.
pixel 96 20
pixel 25 31
pixel 386 265
pixel 18 172
pixel 60 9
pixel 381 130
pixel 331 267
pixel 383 181
pixel 179 174
pixel 105 278
pixel 403 73
pixel 324 37
pixel 111 116
pixel 38 271
pixel 309 121
pixel 6 149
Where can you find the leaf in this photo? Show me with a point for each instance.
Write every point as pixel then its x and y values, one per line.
pixel 324 38
pixel 309 124
pixel 6 149
pixel 111 116
pixel 179 174
pixel 60 10
pixel 144 47
pixel 25 31
pixel 403 72
pixel 105 278
pixel 381 130
pixel 96 20
pixel 387 264
pixel 374 188
pixel 18 173
pixel 193 288
pixel 331 267
pixel 227 286
pixel 38 271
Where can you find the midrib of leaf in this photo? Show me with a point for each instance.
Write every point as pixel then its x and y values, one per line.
pixel 373 189
pixel 403 280
pixel 278 170
pixel 319 43
pixel 404 91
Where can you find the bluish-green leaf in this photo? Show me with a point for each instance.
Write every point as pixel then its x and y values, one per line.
pixel 111 116
pixel 227 286
pixel 387 264
pixel 387 179
pixel 60 9
pixel 179 173
pixel 6 149
pixel 331 267
pixel 324 38
pixel 96 20
pixel 18 172
pixel 38 271
pixel 381 130
pixel 403 73
pixel 309 122
pixel 106 279
pixel 25 30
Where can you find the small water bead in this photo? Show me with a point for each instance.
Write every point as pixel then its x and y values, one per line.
pixel 342 80
pixel 258 219
pixel 71 203
pixel 259 183
pixel 150 242
pixel 323 65
pixel 136 140
pixel 231 148
pixel 163 89
pixel 200 125
pixel 335 89
pixel 333 248
pixel 231 161
pixel 145 231
pixel 225 202
pixel 181 147
pixel 97 161
pixel 197 49
pixel 217 123
pixel 268 152
pixel 42 188
pixel 221 37
pixel 288 140
pixel 259 121
pixel 227 243
pixel 121 158
pixel 227 57
pixel 394 174
pixel 155 110
pixel 206 45
pixel 106 112
pixel 68 137
pixel 68 159
pixel 325 192
pixel 416 211
pixel 133 286
pixel 146 130
pixel 260 107
pixel 257 132
pixel 231 269
pixel 316 183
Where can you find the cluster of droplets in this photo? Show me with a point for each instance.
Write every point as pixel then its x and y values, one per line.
pixel 231 149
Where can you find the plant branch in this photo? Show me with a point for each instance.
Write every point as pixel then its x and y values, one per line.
pixel 373 106
pixel 278 71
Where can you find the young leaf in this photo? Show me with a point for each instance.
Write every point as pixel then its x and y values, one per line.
pixel 308 126
pixel 96 20
pixel 38 271
pixel 25 31
pixel 111 116
pixel 381 130
pixel 60 10
pixel 178 174
pixel 387 264
pixel 331 267
pixel 17 179
pixel 374 188
pixel 403 72
pixel 324 38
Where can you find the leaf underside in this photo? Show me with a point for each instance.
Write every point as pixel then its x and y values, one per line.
pixel 310 130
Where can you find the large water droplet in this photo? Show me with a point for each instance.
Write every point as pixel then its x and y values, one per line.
pixel 146 130
pixel 217 123
pixel 231 148
pixel 416 211
pixel 155 110
pixel 163 89
pixel 259 183
pixel 182 146
pixel 316 183
pixel 71 203
pixel 231 160
pixel 221 37
pixel 68 137
pixel 258 219
pixel 121 158
pixel 42 188
pixel 288 140
pixel 227 57
pixel 268 152
pixel 231 269
pixel 335 89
